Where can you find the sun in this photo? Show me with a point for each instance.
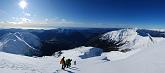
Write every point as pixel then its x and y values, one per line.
pixel 23 4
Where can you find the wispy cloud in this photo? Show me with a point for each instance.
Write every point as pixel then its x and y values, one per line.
pixel 27 14
pixel 44 23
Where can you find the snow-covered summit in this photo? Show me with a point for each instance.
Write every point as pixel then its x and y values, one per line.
pixel 122 35
pixel 20 43
pixel 128 37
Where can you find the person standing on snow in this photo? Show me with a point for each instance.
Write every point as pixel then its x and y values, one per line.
pixel 63 63
pixel 68 63
pixel 74 62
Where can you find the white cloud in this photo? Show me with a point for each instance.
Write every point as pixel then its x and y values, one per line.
pixel 42 23
pixel 27 14
pixel 19 20
pixel 25 20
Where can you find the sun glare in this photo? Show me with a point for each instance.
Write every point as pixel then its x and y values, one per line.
pixel 23 4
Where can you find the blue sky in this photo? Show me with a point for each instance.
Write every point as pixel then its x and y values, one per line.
pixel 82 13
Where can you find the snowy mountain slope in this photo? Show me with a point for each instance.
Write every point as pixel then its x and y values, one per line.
pixel 11 63
pixel 24 64
pixel 147 60
pixel 82 52
pixel 20 43
pixel 116 55
pixel 128 37
pixel 30 38
pixel 143 59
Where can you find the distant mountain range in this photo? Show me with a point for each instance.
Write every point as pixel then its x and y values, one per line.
pixel 49 41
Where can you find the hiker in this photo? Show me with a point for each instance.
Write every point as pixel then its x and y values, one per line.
pixel 74 62
pixel 68 63
pixel 63 63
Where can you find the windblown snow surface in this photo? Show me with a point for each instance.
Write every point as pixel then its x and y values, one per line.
pixel 148 59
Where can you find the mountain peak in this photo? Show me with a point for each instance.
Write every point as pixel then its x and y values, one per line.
pixel 20 43
pixel 128 37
